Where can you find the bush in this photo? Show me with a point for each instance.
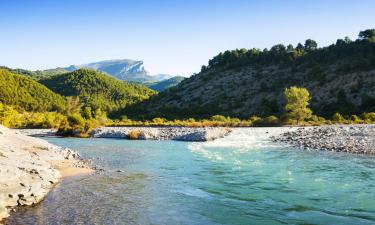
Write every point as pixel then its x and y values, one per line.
pixel 337 117
pixel 134 134
pixel 369 117
pixel 76 120
pixel 270 121
pixel 219 118
pixel 355 119
pixel 159 121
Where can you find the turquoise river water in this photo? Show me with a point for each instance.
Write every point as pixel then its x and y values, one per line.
pixel 240 179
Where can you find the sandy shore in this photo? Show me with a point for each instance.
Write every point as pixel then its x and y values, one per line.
pixel 30 167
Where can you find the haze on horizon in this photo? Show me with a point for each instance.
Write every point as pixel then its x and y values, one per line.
pixel 169 36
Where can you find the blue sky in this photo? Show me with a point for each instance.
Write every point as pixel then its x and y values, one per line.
pixel 174 37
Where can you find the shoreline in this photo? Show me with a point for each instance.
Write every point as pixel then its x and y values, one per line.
pixel 350 138
pixel 177 133
pixel 354 139
pixel 30 167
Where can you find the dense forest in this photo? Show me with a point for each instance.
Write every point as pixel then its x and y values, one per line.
pixel 97 90
pixel 24 93
pixel 245 82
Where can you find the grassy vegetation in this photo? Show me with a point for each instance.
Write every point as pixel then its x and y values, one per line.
pixel 78 123
pixel 254 121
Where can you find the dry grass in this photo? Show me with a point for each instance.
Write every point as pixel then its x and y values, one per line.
pixel 134 134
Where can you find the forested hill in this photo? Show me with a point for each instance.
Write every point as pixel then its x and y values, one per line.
pixel 98 90
pixel 37 74
pixel 27 94
pixel 246 82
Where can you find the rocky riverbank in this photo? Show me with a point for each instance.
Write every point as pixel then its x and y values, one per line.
pixel 162 133
pixel 358 139
pixel 30 167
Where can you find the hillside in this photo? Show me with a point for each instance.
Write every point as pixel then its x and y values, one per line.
pixel 246 82
pixel 37 74
pixel 97 90
pixel 27 94
pixel 165 84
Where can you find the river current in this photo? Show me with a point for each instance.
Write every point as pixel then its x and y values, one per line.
pixel 240 179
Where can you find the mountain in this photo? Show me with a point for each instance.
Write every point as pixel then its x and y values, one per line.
pixel 161 77
pixel 123 69
pixel 27 94
pixel 246 82
pixel 165 84
pixel 98 90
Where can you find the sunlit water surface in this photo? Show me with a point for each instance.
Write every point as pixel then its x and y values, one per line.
pixel 241 179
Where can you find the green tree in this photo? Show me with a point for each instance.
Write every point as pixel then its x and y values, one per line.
pixel 87 113
pixel 310 45
pixel 297 102
pixel 73 105
pixel 368 34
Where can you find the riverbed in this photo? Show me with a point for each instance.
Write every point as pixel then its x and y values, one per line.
pixel 243 178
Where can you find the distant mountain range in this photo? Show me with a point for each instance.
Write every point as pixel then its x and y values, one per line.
pixel 125 69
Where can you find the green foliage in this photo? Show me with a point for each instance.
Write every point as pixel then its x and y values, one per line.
pixel 38 74
pixel 25 93
pixel 306 54
pixel 219 118
pixel 367 35
pixel 270 121
pixel 7 115
pixel 242 82
pixel 10 117
pixel 337 117
pixel 297 102
pixel 97 90
pixel 369 117
pixel 310 45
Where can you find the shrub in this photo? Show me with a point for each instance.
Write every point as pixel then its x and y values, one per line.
pixel 369 117
pixel 337 117
pixel 159 121
pixel 219 118
pixel 134 134
pixel 269 121
pixel 355 119
pixel 76 120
